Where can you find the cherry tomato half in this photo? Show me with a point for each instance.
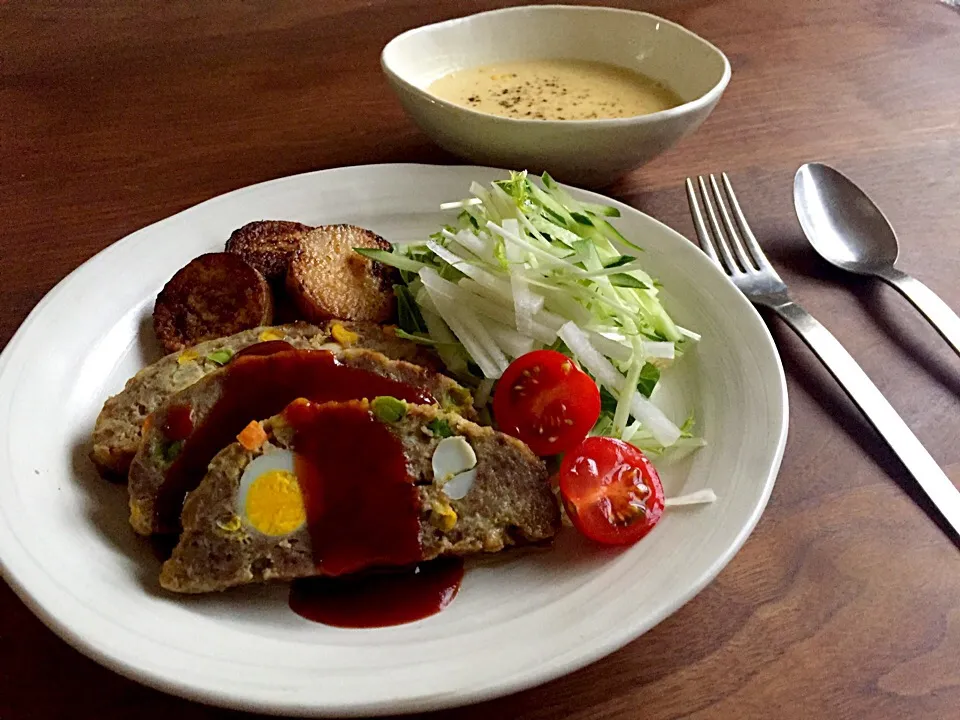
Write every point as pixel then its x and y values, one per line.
pixel 546 401
pixel 611 491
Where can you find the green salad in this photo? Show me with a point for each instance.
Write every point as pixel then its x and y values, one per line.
pixel 524 266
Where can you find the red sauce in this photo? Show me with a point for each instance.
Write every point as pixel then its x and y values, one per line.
pixel 373 600
pixel 363 514
pixel 254 388
pixel 363 509
pixel 264 348
pixel 179 422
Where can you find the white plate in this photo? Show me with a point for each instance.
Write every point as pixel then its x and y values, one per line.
pixel 66 549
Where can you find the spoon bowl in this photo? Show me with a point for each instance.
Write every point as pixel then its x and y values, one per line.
pixel 844 226
pixel 848 231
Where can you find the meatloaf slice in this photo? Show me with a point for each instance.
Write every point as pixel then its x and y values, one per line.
pixel 180 437
pixel 508 503
pixel 116 435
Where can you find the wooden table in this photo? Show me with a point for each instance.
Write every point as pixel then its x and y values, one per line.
pixel 845 602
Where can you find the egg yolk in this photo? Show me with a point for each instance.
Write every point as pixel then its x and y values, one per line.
pixel 274 503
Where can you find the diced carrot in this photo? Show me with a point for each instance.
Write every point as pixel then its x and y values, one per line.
pixel 252 436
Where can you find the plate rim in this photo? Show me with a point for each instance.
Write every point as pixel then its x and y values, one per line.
pixel 208 696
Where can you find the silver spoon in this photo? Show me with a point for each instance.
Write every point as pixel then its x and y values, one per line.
pixel 850 232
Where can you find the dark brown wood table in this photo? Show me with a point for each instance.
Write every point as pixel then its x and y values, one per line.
pixel 845 602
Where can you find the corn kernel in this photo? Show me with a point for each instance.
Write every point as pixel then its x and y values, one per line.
pixel 443 516
pixel 271 334
pixel 343 336
pixel 231 525
pixel 186 356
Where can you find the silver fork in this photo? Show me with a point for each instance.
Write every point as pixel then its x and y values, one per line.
pixel 731 245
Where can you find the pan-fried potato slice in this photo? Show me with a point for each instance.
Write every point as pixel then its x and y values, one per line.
pixel 212 296
pixel 268 245
pixel 327 279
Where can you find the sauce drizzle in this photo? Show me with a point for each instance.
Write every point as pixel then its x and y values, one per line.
pixel 371 600
pixel 363 515
pixel 362 506
pixel 268 347
pixel 179 422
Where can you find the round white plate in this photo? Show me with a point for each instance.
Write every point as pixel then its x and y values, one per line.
pixel 520 620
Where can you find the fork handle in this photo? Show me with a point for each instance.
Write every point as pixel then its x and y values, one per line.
pixel 943 319
pixel 881 414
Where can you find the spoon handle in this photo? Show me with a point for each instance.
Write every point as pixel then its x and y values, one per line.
pixel 877 409
pixel 928 303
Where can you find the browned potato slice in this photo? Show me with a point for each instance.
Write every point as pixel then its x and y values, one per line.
pixel 268 246
pixel 212 296
pixel 327 279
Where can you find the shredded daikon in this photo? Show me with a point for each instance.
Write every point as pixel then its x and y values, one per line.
pixel 700 497
pixel 525 266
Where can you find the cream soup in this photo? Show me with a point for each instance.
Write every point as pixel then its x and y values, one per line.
pixel 559 89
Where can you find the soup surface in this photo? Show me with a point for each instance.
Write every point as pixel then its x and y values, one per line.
pixel 559 89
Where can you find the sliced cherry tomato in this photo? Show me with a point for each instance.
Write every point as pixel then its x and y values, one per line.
pixel 546 401
pixel 611 491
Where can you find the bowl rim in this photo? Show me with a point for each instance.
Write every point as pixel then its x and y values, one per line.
pixel 705 100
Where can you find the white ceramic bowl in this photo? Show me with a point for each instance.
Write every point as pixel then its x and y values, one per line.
pixel 585 152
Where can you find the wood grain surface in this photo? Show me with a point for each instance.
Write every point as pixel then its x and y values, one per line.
pixel 845 602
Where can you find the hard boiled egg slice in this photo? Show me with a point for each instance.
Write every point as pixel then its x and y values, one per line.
pixel 270 500
pixel 454 466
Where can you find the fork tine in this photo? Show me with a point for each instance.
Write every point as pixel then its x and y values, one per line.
pixel 751 241
pixel 703 235
pixel 719 238
pixel 729 226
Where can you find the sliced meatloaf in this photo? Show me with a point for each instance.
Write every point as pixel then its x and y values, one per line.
pixel 183 434
pixel 116 435
pixel 506 502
